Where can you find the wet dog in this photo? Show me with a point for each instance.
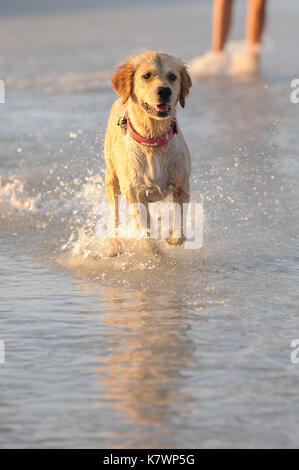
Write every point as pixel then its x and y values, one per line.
pixel 145 151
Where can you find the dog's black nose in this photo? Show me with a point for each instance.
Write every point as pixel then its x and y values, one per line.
pixel 164 92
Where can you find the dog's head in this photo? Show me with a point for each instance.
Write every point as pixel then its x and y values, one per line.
pixel 155 81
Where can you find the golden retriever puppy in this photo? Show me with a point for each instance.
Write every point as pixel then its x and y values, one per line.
pixel 145 151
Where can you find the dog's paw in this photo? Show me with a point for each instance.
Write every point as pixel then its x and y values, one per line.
pixel 171 240
pixel 156 193
pixel 114 248
pixel 153 194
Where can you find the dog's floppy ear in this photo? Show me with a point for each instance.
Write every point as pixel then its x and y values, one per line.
pixel 186 84
pixel 122 80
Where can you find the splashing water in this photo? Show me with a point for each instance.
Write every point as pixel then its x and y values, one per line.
pixel 235 61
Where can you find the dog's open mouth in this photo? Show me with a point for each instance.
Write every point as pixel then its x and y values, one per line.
pixel 163 109
pixel 160 110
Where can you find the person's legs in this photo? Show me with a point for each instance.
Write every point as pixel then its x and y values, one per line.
pixel 237 60
pixel 222 13
pixel 255 22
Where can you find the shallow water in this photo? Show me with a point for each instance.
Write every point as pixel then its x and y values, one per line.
pixel 180 348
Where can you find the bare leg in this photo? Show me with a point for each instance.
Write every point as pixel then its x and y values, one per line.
pixel 179 195
pixel 222 13
pixel 255 22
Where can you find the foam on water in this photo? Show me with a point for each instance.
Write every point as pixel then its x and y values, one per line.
pixel 13 198
pixel 70 219
pixel 65 83
pixel 234 61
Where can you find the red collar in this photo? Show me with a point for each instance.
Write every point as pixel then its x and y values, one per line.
pixel 157 142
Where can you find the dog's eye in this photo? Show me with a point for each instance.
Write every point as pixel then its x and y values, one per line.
pixel 172 77
pixel 147 76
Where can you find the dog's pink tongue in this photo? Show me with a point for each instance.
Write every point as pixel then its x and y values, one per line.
pixel 163 107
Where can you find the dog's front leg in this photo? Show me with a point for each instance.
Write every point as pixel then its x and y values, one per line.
pixel 180 195
pixel 138 197
pixel 113 191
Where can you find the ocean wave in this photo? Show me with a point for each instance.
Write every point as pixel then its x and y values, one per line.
pixel 65 83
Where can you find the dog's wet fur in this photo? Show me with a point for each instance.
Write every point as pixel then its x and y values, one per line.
pixel 150 86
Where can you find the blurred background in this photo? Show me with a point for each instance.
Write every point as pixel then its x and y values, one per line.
pixel 182 348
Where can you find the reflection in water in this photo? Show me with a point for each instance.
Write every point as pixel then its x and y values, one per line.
pixel 149 350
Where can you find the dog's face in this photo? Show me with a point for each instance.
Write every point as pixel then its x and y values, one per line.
pixel 155 81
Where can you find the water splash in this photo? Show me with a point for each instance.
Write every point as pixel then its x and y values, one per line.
pixel 236 60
